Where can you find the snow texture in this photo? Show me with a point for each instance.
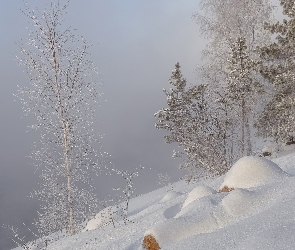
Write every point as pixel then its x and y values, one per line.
pixel 197 193
pixel 105 216
pixel 257 214
pixel 278 150
pixel 252 171
pixel 169 196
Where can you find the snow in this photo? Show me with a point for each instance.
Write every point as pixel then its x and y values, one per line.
pixel 105 216
pixel 258 214
pixel 170 195
pixel 252 171
pixel 278 150
pixel 197 193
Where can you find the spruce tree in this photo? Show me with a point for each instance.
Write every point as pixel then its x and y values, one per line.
pixel 191 125
pixel 224 22
pixel 278 117
pixel 242 91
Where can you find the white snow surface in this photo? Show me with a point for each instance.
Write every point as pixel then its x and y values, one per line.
pixel 105 216
pixel 258 214
pixel 197 193
pixel 278 150
pixel 252 171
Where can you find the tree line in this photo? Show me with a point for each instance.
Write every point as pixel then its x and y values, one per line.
pixel 246 89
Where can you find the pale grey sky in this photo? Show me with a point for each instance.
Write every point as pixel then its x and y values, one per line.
pixel 135 45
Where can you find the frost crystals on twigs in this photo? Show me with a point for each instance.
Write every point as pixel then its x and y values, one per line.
pixel 128 189
pixel 62 96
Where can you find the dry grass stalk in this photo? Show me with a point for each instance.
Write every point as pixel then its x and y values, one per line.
pixel 225 189
pixel 150 243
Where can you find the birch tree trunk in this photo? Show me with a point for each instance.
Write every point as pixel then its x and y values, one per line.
pixel 62 97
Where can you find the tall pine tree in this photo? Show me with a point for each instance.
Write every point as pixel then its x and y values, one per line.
pixel 242 90
pixel 278 117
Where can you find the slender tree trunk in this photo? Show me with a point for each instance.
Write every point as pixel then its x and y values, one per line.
pixel 66 141
pixel 243 125
pixel 71 226
pixel 232 145
pixel 226 137
pixel 249 143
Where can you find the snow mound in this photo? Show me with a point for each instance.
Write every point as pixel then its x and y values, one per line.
pixel 198 193
pixel 170 195
pixel 105 216
pixel 241 202
pixel 252 171
pixel 196 218
pixel 174 230
pixel 284 163
pixel 261 217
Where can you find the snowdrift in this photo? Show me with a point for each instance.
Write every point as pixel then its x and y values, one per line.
pixel 252 171
pixel 106 216
pixel 197 193
pixel 204 211
pixel 258 214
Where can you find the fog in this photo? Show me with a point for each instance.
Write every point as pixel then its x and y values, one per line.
pixel 136 45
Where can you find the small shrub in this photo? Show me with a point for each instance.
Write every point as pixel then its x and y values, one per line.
pixel 225 189
pixel 150 243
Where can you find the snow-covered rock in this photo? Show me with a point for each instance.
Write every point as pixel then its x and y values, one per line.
pixel 196 193
pixel 252 171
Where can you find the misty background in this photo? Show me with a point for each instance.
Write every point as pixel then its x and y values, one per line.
pixel 135 45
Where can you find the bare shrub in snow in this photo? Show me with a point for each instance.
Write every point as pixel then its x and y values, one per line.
pixel 40 243
pixel 127 190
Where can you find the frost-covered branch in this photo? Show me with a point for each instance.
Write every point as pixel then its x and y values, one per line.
pixel 62 96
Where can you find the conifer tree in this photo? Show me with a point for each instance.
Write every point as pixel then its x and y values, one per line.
pixel 242 91
pixel 224 22
pixel 191 125
pixel 278 117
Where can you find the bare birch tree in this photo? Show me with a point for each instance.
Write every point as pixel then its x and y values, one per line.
pixel 62 96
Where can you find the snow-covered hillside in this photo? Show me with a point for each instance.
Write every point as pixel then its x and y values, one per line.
pixel 258 213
